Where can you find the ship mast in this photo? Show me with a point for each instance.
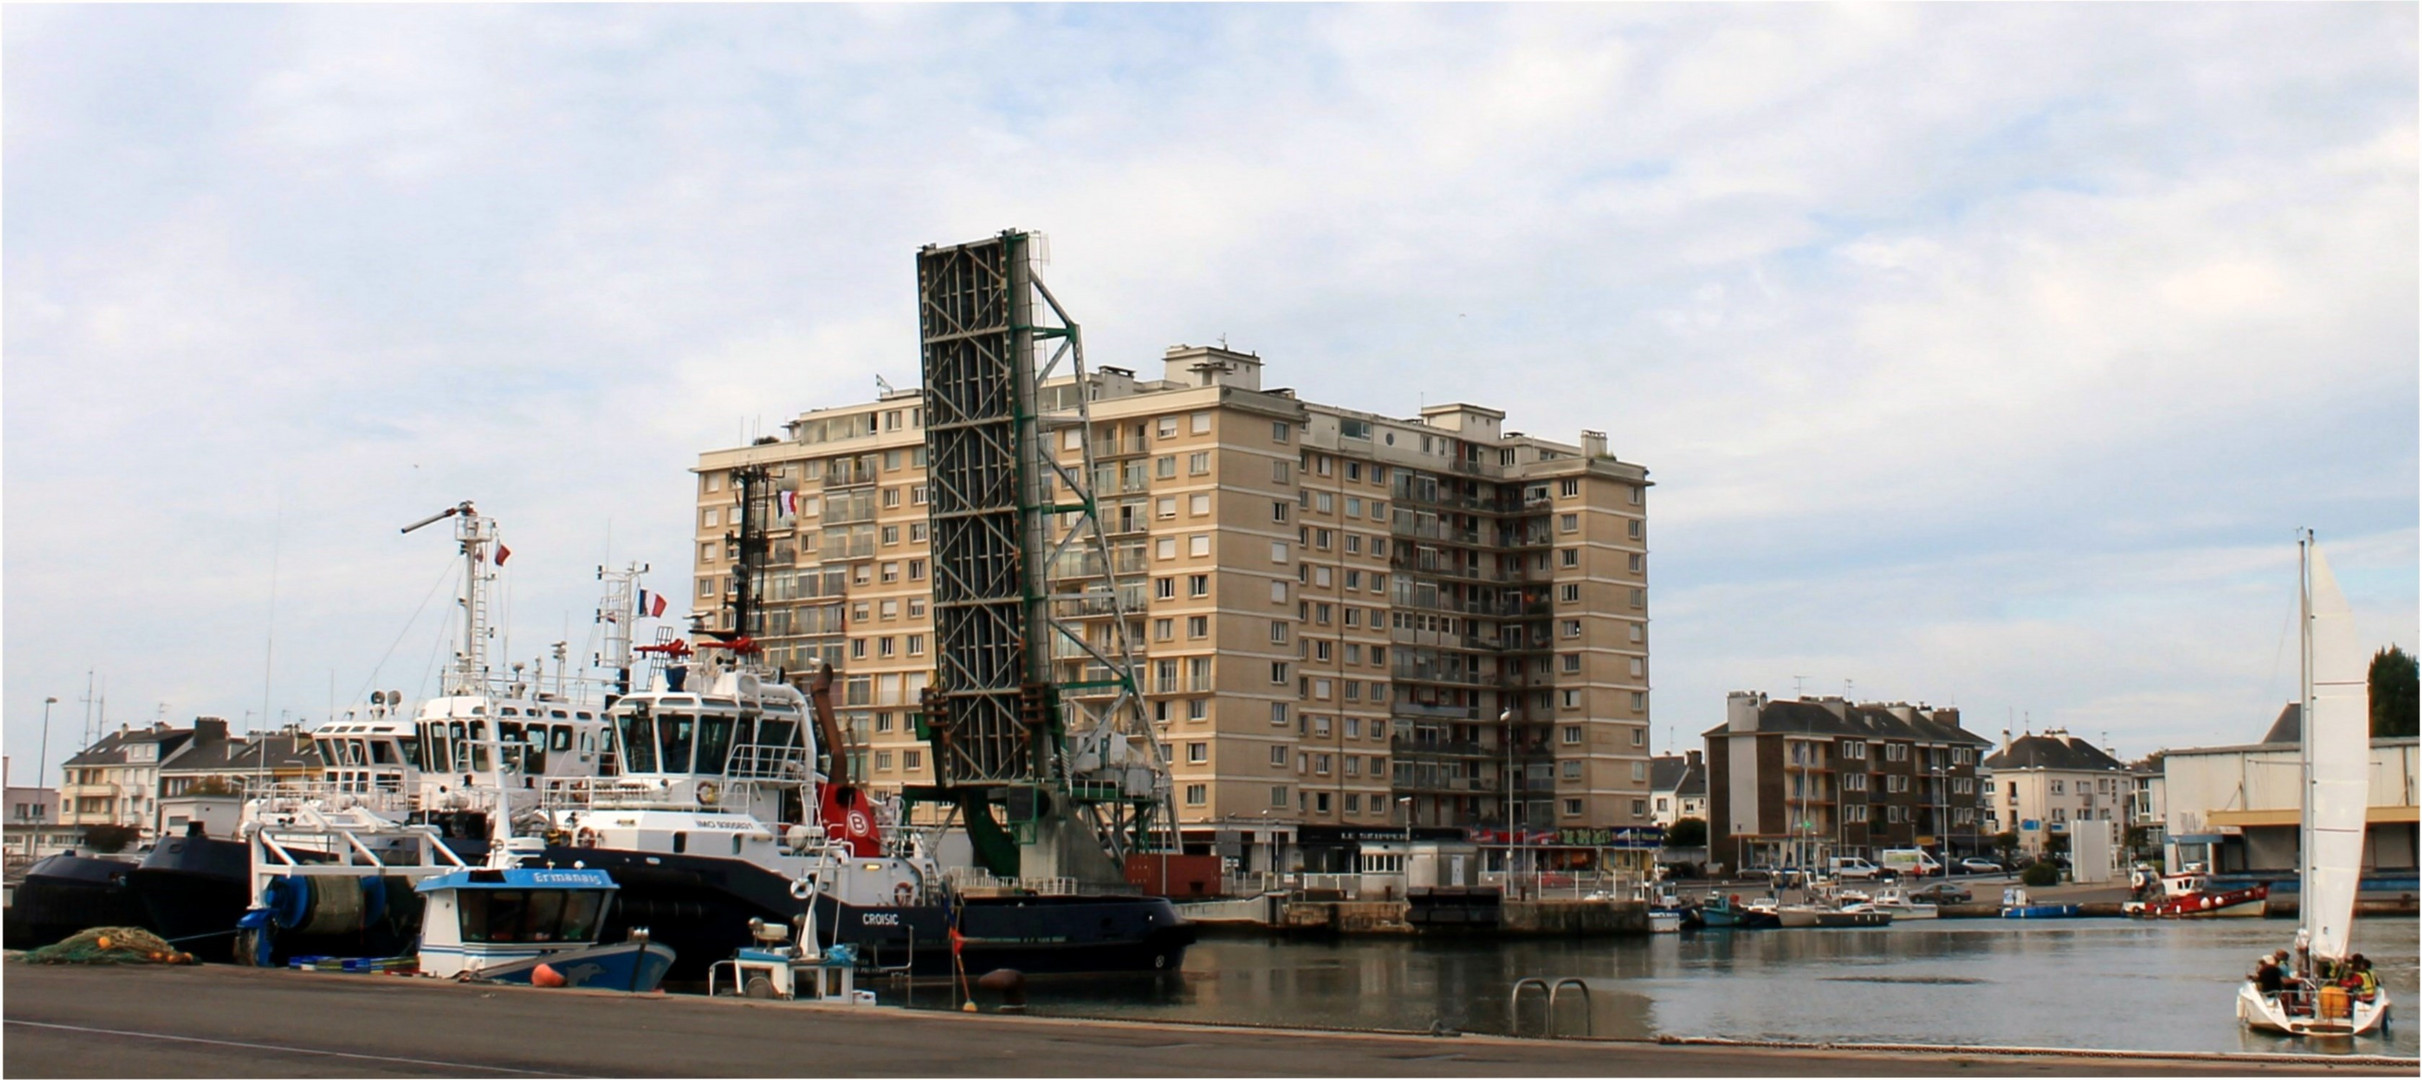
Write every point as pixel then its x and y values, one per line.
pixel 473 533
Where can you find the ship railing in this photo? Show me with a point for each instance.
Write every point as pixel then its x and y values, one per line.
pixel 291 795
pixel 977 881
pixel 765 761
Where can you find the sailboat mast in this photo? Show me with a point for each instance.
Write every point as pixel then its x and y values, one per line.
pixel 2308 713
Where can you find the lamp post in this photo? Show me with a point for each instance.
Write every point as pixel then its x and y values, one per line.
pixel 42 759
pixel 1505 721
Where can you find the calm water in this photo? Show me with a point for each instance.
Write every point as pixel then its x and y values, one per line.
pixel 2087 983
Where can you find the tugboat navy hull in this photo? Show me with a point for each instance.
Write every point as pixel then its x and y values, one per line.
pixel 65 894
pixel 701 906
pixel 193 889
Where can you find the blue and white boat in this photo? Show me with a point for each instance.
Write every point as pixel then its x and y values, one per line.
pixel 506 924
pixel 2016 904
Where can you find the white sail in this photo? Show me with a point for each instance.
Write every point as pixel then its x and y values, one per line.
pixel 2337 739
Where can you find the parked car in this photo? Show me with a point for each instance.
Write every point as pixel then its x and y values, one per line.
pixel 1942 892
pixel 1974 865
pixel 1853 868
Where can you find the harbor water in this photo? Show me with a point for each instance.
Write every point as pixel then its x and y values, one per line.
pixel 2101 984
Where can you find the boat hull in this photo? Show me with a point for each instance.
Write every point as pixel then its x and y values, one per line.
pixel 2232 903
pixel 193 889
pixel 2274 1014
pixel 63 895
pixel 2044 911
pixel 635 966
pixel 701 906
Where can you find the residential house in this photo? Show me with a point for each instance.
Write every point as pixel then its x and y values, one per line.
pixel 1677 787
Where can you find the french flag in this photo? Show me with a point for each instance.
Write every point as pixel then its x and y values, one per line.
pixel 651 605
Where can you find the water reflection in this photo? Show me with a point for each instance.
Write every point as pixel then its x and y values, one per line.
pixel 2089 983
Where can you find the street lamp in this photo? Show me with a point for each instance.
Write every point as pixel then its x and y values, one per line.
pixel 43 759
pixel 1406 801
pixel 1505 721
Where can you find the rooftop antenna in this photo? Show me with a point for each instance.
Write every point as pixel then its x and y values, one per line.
pixel 1846 694
pixel 1799 686
pixel 884 385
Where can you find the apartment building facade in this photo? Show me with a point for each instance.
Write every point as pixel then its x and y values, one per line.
pixel 1345 623
pixel 2043 784
pixel 1796 782
pixel 116 781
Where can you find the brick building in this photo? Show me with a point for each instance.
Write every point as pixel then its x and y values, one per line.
pixel 1793 783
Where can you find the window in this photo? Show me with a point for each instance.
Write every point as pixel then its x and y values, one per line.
pixel 891 572
pixel 1855 813
pixel 883 760
pixel 1200 422
pixel 1198 463
pixel 1279 430
pixel 1572 808
pixel 2057 788
pixel 1639 598
pixel 886 646
pixel 1572 735
pixel 1165 507
pixel 1568 523
pixel 1570 594
pixel 912 760
pixel 1278 714
pixel 714 517
pixel 1572 628
pixel 1278 592
pixel 1278 795
pixel 1163 629
pixel 1900 752
pixel 1198 505
pixel 1165 548
pixel 1198 794
pixel 1198 626
pixel 1278 471
pixel 1568 488
pixel 1856 781
pixel 1854 751
pixel 1572 663
pixel 1198 584
pixel 1636 528
pixel 916 644
pixel 1198 545
pixel 1278 671
pixel 1198 753
pixel 1571 699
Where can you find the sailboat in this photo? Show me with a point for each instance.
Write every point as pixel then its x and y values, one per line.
pixel 2337 783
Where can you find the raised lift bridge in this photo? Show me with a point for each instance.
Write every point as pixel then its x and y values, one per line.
pixel 1039 736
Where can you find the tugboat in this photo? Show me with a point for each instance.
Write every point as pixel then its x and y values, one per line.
pixel 477 746
pixel 717 818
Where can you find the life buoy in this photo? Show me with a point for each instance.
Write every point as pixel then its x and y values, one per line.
pixel 707 793
pixel 803 888
pixel 904 894
pixel 586 837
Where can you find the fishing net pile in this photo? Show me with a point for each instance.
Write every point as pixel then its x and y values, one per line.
pixel 110 945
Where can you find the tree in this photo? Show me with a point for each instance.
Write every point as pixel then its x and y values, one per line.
pixel 109 839
pixel 2396 696
pixel 1686 832
pixel 2139 840
pixel 2004 843
pixel 2056 844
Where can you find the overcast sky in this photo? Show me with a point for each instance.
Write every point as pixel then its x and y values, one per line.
pixel 1982 354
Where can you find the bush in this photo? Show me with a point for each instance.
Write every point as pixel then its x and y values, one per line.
pixel 2040 875
pixel 1686 832
pixel 110 839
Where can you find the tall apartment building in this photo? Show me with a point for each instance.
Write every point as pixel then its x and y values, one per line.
pixel 1793 783
pixel 1340 618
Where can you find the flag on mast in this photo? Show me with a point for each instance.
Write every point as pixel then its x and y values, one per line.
pixel 502 553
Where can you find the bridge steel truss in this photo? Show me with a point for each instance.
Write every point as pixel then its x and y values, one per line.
pixel 999 715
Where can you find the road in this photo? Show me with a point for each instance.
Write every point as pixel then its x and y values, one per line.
pixel 228 1021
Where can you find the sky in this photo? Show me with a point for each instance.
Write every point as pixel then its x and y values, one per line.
pixel 1985 355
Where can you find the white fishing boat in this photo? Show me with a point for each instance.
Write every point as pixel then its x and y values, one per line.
pixel 2337 782
pixel 1895 901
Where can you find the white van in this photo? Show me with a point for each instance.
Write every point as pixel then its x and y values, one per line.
pixel 1851 868
pixel 1910 862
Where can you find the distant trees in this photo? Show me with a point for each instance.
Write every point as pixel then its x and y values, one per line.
pixel 1689 832
pixel 2396 696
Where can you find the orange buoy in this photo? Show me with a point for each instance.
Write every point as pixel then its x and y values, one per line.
pixel 546 975
pixel 102 941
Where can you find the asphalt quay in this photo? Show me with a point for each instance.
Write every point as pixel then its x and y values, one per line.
pixel 230 1021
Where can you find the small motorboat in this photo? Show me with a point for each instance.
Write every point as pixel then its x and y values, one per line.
pixel 532 926
pixel 1728 913
pixel 1897 903
pixel 2016 904
pixel 1814 916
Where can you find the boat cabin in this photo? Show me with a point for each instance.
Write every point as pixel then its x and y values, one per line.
pixel 481 918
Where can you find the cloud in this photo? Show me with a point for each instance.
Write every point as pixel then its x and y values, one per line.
pixel 1978 351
